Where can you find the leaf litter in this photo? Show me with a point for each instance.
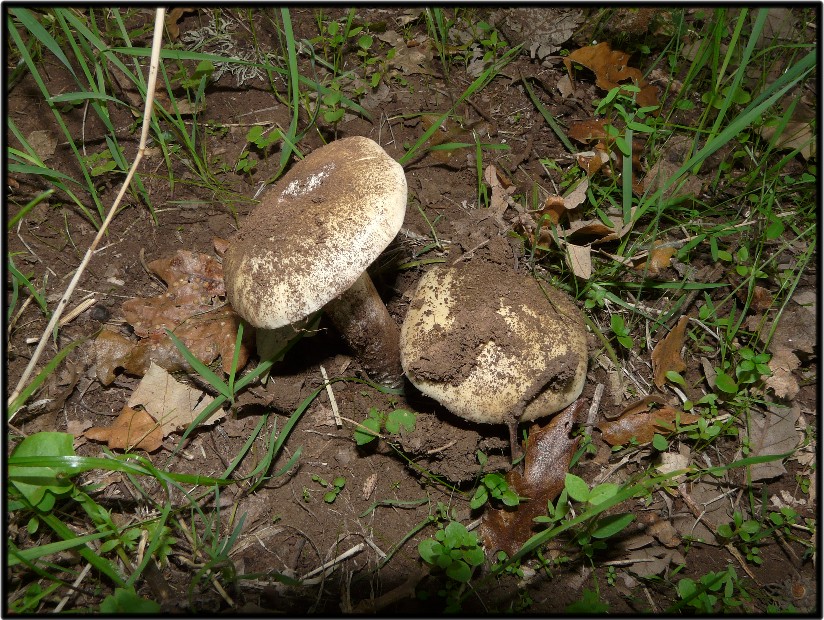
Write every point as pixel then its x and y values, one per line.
pixel 192 308
pixel 158 407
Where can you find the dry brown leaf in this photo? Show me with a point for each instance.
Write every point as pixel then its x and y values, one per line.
pixel 579 258
pixel 592 161
pixel 132 430
pixel 597 229
pixel 589 130
pixel 191 308
pixel 194 282
pixel 565 87
pixel 577 195
pixel 554 208
pixel 501 194
pixel 643 405
pixel 772 433
pixel 172 403
pixel 174 16
pixel 541 29
pixel 548 455
pixel 610 68
pixel 111 350
pixel 666 534
pixel 658 259
pixel 782 364
pixel 413 56
pixel 43 142
pixel 666 355
pixel 642 426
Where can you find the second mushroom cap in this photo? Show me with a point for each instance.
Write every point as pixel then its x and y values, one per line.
pixel 488 344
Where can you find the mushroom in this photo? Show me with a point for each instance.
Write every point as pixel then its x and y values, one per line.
pixel 494 346
pixel 307 245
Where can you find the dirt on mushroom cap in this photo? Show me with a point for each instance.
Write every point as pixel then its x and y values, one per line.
pixel 448 340
pixel 315 232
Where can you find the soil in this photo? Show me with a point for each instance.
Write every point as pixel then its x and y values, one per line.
pixel 392 487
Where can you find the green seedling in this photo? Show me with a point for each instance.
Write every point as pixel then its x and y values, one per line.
pixel 494 486
pixel 592 537
pixel 744 533
pixel 714 592
pixel 392 422
pixel 453 550
pixel 621 331
pixel 335 487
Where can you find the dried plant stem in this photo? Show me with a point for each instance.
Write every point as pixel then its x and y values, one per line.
pixel 144 135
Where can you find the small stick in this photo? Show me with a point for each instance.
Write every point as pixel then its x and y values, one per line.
pixel 343 556
pixel 73 593
pixel 592 414
pixel 144 136
pixel 77 311
pixel 332 400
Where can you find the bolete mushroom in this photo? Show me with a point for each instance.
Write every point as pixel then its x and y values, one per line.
pixel 307 245
pixel 494 346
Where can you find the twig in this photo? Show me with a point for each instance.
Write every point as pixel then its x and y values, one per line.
pixel 144 135
pixel 332 400
pixel 592 414
pixel 333 562
pixel 73 592
pixel 78 310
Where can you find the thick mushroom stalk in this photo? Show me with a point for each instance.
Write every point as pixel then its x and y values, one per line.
pixel 307 246
pixel 363 321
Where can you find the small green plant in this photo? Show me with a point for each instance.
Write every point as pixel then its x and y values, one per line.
pixel 621 331
pixel 392 422
pixel 744 533
pixel 335 487
pixel 714 592
pixel 453 550
pixel 494 485
pixel 260 143
pixel 591 538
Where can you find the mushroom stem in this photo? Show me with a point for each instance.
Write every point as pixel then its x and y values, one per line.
pixel 363 321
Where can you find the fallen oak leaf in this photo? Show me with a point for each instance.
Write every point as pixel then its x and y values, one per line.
pixel 133 429
pixel 172 403
pixel 191 308
pixel 642 426
pixel 194 282
pixel 666 355
pixel 588 131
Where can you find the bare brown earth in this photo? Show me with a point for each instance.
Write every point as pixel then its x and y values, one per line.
pixel 390 489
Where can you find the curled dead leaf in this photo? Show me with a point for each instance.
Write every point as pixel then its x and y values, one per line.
pixel 643 425
pixel 172 17
pixel 133 429
pixel 666 355
pixel 611 67
pixel 548 455
pixel 658 259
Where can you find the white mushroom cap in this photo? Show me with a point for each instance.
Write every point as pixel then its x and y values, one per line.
pixel 488 345
pixel 315 232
